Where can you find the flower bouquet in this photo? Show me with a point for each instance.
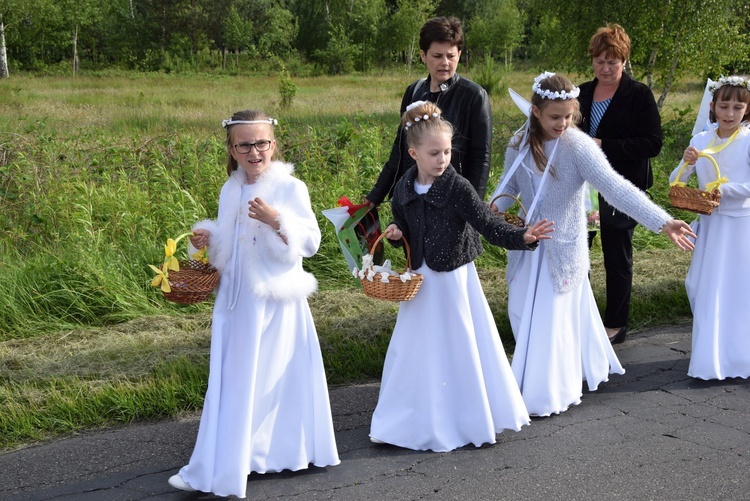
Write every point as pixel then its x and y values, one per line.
pixel 188 281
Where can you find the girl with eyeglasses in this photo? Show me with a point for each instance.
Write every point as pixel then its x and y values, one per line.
pixel 267 407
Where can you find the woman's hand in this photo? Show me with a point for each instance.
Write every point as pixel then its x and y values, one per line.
pixel 691 155
pixel 393 233
pixel 538 231
pixel 261 211
pixel 200 238
pixel 678 232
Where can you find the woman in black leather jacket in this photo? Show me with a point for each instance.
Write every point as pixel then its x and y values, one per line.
pixel 464 103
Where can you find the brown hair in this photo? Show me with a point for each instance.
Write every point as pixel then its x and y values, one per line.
pixel 417 127
pixel 246 115
pixel 731 93
pixel 612 40
pixel 441 29
pixel 554 83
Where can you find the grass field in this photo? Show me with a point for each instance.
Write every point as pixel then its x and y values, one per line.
pixel 97 172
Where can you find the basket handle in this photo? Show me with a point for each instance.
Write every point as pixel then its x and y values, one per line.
pixel 520 205
pixel 406 245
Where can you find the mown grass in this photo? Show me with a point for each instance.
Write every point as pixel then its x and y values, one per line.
pixel 97 172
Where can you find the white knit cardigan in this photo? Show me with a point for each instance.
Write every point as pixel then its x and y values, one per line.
pixel 578 159
pixel 269 266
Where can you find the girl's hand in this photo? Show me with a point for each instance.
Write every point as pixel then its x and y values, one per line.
pixel 261 211
pixel 200 238
pixel 691 155
pixel 538 231
pixel 678 232
pixel 393 233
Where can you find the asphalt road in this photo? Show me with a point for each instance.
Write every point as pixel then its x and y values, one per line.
pixel 653 433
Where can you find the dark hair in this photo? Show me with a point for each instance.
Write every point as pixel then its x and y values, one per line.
pixel 417 127
pixel 612 40
pixel 246 115
pixel 731 93
pixel 554 83
pixel 441 29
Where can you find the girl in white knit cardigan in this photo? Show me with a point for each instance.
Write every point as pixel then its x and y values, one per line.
pixel 560 337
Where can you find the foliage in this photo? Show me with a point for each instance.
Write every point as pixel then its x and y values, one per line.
pixel 669 39
pixel 488 76
pixel 287 89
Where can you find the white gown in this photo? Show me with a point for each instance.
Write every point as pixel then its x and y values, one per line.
pixel 718 281
pixel 267 406
pixel 446 380
pixel 560 337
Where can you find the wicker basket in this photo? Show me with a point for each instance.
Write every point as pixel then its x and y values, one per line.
pixel 510 218
pixel 194 282
pixel 694 199
pixel 394 289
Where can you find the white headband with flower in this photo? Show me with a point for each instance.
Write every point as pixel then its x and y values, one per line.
pixel 417 119
pixel 735 81
pixel 227 122
pixel 548 94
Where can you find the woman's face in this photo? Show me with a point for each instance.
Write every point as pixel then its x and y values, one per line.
pixel 252 147
pixel 608 70
pixel 441 60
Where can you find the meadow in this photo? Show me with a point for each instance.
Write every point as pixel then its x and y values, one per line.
pixel 96 172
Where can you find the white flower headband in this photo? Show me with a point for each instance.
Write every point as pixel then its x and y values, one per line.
pixel 417 119
pixel 270 121
pixel 548 94
pixel 734 81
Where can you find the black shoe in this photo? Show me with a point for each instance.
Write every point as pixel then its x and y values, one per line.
pixel 619 337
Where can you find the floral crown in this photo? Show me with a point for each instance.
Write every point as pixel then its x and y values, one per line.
pixel 417 119
pixel 548 94
pixel 227 122
pixel 734 81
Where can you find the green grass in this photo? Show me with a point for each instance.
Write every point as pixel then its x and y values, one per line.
pixel 97 172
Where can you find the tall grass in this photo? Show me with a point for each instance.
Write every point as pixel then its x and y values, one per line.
pixel 97 172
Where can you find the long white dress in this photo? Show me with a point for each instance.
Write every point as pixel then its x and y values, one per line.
pixel 718 280
pixel 560 337
pixel 267 406
pixel 446 380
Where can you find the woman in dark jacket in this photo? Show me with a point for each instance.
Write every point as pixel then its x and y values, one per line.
pixel 464 103
pixel 622 117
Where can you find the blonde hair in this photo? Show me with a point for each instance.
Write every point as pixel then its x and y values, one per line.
pixel 535 135
pixel 246 115
pixel 423 119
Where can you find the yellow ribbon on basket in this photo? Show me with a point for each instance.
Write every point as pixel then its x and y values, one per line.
pixel 711 150
pixel 161 279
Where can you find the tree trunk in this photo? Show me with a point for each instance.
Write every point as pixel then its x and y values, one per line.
pixel 668 83
pixel 75 50
pixel 3 53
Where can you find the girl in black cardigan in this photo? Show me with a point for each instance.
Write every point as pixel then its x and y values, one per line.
pixel 446 380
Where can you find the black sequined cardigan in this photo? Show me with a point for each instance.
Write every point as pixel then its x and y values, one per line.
pixel 443 226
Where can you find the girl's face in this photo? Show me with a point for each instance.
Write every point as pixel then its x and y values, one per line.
pixel 433 156
pixel 252 147
pixel 729 115
pixel 555 117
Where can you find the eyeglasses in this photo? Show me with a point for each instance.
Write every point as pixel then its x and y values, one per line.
pixel 243 148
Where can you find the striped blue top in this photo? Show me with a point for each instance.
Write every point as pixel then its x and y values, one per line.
pixel 597 112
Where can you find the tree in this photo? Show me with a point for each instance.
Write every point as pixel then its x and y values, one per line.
pixel 669 37
pixel 404 26
pixel 238 32
pixel 496 29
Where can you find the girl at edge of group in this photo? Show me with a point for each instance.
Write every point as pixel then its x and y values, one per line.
pixel 560 337
pixel 718 280
pixel 266 407
pixel 446 379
